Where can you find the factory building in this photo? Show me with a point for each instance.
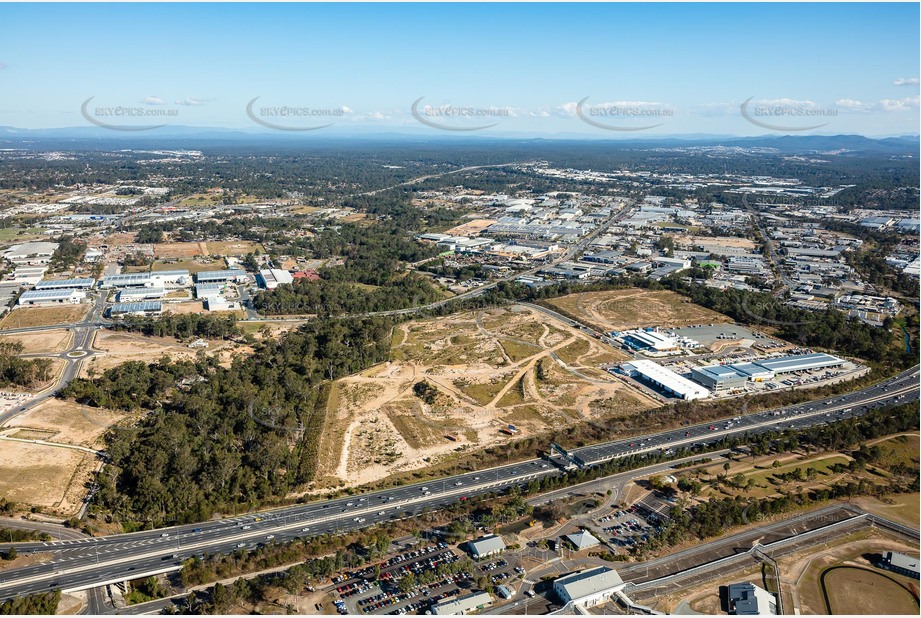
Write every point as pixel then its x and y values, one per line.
pixel 649 340
pixel 726 377
pixel 40 298
pixel 664 379
pixel 137 294
pixel 147 307
pixel 128 280
pixel 588 588
pixel 64 284
pixel 209 290
pixel 234 275
pixel 273 277
pixel 170 278
pixel 31 253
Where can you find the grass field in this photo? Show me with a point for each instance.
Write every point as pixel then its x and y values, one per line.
pixel 900 450
pixel 904 508
pixel 19 234
pixel 853 590
pixel 634 308
pixel 27 317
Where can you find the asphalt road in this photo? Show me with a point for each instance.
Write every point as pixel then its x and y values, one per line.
pixel 81 564
pixel 80 349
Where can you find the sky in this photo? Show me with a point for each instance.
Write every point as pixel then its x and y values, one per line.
pixel 602 70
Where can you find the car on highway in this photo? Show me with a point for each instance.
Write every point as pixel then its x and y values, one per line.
pixel 165 534
pixel 270 536
pixel 305 529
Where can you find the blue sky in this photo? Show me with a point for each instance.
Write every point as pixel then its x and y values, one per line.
pixel 524 68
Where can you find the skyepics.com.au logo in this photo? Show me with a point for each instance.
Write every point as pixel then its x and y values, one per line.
pixel 786 115
pixel 772 310
pixel 127 117
pixel 624 115
pixel 293 117
pixel 456 118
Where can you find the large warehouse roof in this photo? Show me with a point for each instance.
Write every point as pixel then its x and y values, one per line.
pixel 219 275
pixel 55 294
pixel 65 283
pixel 580 585
pixel 667 378
pixel 799 362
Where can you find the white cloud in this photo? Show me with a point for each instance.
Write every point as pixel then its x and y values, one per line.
pixel 907 81
pixel 900 105
pixel 194 102
pixel 153 101
pixel 853 105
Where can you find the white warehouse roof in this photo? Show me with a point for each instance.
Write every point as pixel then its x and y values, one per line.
pixel 666 378
pixel 587 583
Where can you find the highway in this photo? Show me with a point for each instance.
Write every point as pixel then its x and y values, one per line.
pixel 80 564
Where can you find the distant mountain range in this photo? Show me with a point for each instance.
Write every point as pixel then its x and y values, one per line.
pixel 190 136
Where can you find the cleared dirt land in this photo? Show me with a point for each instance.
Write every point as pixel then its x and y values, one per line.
pixel 27 317
pixel 485 370
pixel 50 477
pixel 65 422
pixel 42 342
pixel 634 308
pixel 118 348
pixel 175 250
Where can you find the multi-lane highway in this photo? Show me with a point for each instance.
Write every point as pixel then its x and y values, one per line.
pixel 79 564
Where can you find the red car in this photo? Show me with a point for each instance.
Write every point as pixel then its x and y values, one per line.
pixel 713 427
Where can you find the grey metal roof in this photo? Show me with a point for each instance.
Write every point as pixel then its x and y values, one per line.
pixel 592 581
pixel 47 294
pixel 148 305
pixel 487 544
pixel 65 283
pixel 219 275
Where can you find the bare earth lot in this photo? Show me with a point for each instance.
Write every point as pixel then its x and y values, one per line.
pixel 45 476
pixel 26 317
pixel 487 370
pixel 634 308
pixel 42 342
pixel 66 422
pixel 118 348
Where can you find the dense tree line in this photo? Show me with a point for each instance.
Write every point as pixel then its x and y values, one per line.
pixel 44 603
pixel 332 298
pixel 68 254
pixel 223 437
pixel 15 371
pixel 182 326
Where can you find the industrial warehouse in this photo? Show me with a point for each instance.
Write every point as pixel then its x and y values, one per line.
pixel 701 382
pixel 724 377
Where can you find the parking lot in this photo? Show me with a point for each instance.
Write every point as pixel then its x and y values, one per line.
pixel 626 527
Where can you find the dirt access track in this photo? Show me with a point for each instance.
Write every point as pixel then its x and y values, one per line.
pixel 484 370
pixel 635 308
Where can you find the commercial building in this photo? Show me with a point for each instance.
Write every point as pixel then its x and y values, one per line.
pixel 128 280
pixel 209 290
pixel 649 340
pixel 664 379
pixel 29 275
pixel 147 307
pixel 726 377
pixel 747 599
pixel 64 284
pixel 170 278
pixel 218 276
pixel 38 298
pixel 588 588
pixel 219 303
pixel 273 277
pixel 900 563
pixel 138 294
pixel 583 539
pixel 486 546
pixel 462 605
pixel 31 253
